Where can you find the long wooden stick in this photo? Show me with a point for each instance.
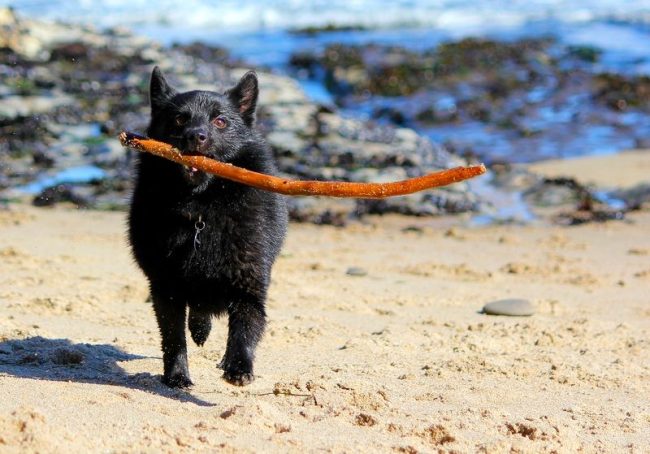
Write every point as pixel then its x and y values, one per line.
pixel 295 187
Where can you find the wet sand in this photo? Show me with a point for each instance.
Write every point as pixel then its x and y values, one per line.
pixel 621 170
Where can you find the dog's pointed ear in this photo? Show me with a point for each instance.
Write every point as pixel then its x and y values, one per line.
pixel 159 90
pixel 244 96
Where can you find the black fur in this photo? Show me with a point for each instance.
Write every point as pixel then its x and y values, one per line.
pixel 206 244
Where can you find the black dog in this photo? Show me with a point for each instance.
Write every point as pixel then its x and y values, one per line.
pixel 206 243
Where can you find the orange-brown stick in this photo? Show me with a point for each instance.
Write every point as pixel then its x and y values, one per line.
pixel 295 187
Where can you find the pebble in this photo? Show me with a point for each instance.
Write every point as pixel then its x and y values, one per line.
pixel 356 271
pixel 511 307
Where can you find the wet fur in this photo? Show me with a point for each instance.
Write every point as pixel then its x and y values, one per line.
pixel 226 268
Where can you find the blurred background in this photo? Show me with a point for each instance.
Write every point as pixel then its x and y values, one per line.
pixel 492 81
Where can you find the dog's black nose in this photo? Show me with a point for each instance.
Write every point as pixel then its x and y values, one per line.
pixel 196 137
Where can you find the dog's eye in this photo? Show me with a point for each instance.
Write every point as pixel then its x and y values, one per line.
pixel 180 120
pixel 220 122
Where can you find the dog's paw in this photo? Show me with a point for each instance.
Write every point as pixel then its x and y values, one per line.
pixel 199 336
pixel 238 378
pixel 177 381
pixel 237 371
pixel 199 325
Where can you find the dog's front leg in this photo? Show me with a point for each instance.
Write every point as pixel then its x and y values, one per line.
pixel 171 322
pixel 246 322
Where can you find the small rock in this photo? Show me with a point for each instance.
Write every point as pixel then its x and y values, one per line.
pixel 65 356
pixel 228 413
pixel 43 157
pixel 364 419
pixel 70 51
pixel 510 307
pixel 282 428
pixel 60 193
pixel 356 271
pixel 413 228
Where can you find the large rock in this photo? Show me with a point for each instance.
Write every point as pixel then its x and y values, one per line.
pixel 315 144
pixel 15 106
pixel 79 108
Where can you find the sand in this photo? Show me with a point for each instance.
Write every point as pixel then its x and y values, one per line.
pixel 621 170
pixel 398 359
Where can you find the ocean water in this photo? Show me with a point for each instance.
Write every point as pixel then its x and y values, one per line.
pixel 257 30
pixel 71 175
pixel 463 16
pixel 260 32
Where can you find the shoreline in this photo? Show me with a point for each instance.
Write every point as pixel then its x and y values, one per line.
pixel 624 174
pixel 623 170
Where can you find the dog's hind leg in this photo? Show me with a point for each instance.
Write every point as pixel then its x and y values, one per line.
pixel 246 322
pixel 171 322
pixel 199 323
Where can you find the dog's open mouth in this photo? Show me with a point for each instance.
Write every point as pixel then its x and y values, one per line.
pixel 192 172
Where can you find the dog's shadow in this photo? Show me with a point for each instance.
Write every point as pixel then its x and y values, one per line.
pixel 39 358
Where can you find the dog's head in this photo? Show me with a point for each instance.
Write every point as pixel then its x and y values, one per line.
pixel 203 122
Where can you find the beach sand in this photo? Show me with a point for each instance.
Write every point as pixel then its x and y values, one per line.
pixel 399 359
pixel 622 170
